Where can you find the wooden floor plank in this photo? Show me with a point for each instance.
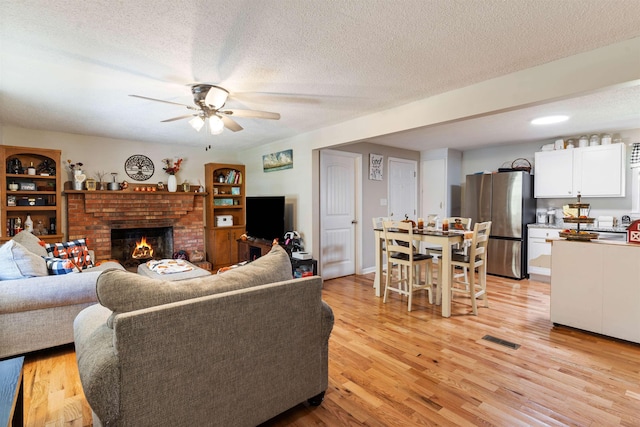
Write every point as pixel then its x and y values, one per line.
pixel 389 367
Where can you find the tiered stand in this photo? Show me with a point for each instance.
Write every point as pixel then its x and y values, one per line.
pixel 578 234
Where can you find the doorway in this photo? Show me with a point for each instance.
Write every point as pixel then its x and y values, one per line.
pixel 403 189
pixel 340 192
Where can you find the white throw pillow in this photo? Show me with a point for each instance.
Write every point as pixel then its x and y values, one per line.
pixel 17 262
pixel 31 242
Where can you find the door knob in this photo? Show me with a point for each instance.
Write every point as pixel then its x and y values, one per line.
pixel 354 221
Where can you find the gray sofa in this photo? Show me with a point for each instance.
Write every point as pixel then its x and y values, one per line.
pixel 232 349
pixel 38 312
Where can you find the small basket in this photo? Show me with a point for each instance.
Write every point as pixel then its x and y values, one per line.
pixel 521 164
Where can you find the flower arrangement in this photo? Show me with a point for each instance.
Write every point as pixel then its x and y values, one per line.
pixel 171 167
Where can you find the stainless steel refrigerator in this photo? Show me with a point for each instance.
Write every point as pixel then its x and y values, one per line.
pixel 505 199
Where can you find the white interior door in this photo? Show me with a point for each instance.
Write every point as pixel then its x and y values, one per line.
pixel 433 176
pixel 403 193
pixel 338 213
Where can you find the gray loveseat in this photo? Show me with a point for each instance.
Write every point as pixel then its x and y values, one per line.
pixel 233 349
pixel 38 312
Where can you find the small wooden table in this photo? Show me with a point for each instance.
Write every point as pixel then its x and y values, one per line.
pixel 439 238
pixel 11 411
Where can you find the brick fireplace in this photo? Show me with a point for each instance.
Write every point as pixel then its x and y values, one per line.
pixel 92 214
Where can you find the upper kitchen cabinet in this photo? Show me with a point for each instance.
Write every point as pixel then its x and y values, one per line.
pixel 599 171
pixel 590 171
pixel 553 174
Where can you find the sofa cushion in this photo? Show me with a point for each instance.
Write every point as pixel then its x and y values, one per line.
pixel 57 266
pixel 40 293
pixel 76 250
pixel 31 242
pixel 124 291
pixel 17 262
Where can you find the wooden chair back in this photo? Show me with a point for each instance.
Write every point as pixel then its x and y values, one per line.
pixel 459 223
pixel 398 238
pixel 479 242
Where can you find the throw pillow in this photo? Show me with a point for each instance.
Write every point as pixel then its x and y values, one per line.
pixel 76 250
pixel 56 266
pixel 122 291
pixel 31 242
pixel 17 262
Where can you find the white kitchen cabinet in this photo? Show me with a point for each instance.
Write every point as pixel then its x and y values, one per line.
pixel 591 171
pixel 553 174
pixel 539 252
pixel 599 171
pixel 595 286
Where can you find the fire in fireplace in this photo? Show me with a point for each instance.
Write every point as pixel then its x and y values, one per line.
pixel 141 244
pixel 142 250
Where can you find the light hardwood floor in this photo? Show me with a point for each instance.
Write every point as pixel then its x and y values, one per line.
pixel 388 367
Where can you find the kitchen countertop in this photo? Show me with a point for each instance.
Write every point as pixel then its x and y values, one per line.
pixel 585 227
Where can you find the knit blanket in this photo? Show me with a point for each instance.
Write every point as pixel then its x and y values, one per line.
pixel 168 266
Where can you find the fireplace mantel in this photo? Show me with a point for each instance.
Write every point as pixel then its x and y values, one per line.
pixel 92 214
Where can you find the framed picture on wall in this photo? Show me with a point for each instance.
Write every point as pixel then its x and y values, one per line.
pixel 375 167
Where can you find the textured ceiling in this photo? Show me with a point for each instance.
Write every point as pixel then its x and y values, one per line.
pixel 69 66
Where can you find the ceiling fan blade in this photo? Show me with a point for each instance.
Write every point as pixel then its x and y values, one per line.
pixel 166 102
pixel 230 124
pixel 252 114
pixel 178 118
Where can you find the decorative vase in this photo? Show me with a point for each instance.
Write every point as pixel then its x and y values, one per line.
pixel 172 184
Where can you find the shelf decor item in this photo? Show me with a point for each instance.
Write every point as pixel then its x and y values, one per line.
pixel 172 167
pixel 91 184
pixel 172 184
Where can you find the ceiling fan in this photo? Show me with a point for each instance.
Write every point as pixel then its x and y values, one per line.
pixel 209 103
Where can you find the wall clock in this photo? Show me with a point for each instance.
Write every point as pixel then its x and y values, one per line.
pixel 139 167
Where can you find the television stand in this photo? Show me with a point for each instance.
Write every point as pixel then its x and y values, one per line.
pixel 252 249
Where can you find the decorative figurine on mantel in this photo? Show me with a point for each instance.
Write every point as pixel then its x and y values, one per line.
pixel 78 177
pixel 100 178
pixel 113 185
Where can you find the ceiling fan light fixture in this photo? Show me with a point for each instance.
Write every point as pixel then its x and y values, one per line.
pixel 196 123
pixel 216 96
pixel 215 125
pixel 549 120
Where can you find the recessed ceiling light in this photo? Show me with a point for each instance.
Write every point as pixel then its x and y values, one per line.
pixel 548 120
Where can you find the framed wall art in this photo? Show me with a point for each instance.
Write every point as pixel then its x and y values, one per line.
pixel 277 161
pixel 375 166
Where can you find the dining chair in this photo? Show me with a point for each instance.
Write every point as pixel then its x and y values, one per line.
pixel 401 253
pixel 476 263
pixel 455 223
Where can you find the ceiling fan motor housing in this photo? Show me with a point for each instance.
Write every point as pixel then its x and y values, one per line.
pixel 215 95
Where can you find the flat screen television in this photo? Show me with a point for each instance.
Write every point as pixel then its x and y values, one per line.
pixel 265 217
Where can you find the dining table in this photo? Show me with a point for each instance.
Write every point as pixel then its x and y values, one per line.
pixel 444 239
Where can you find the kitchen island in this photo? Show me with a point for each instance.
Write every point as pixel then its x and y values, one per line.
pixel 595 286
pixel 539 245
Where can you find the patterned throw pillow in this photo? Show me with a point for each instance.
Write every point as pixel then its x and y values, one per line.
pixel 76 250
pixel 60 266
